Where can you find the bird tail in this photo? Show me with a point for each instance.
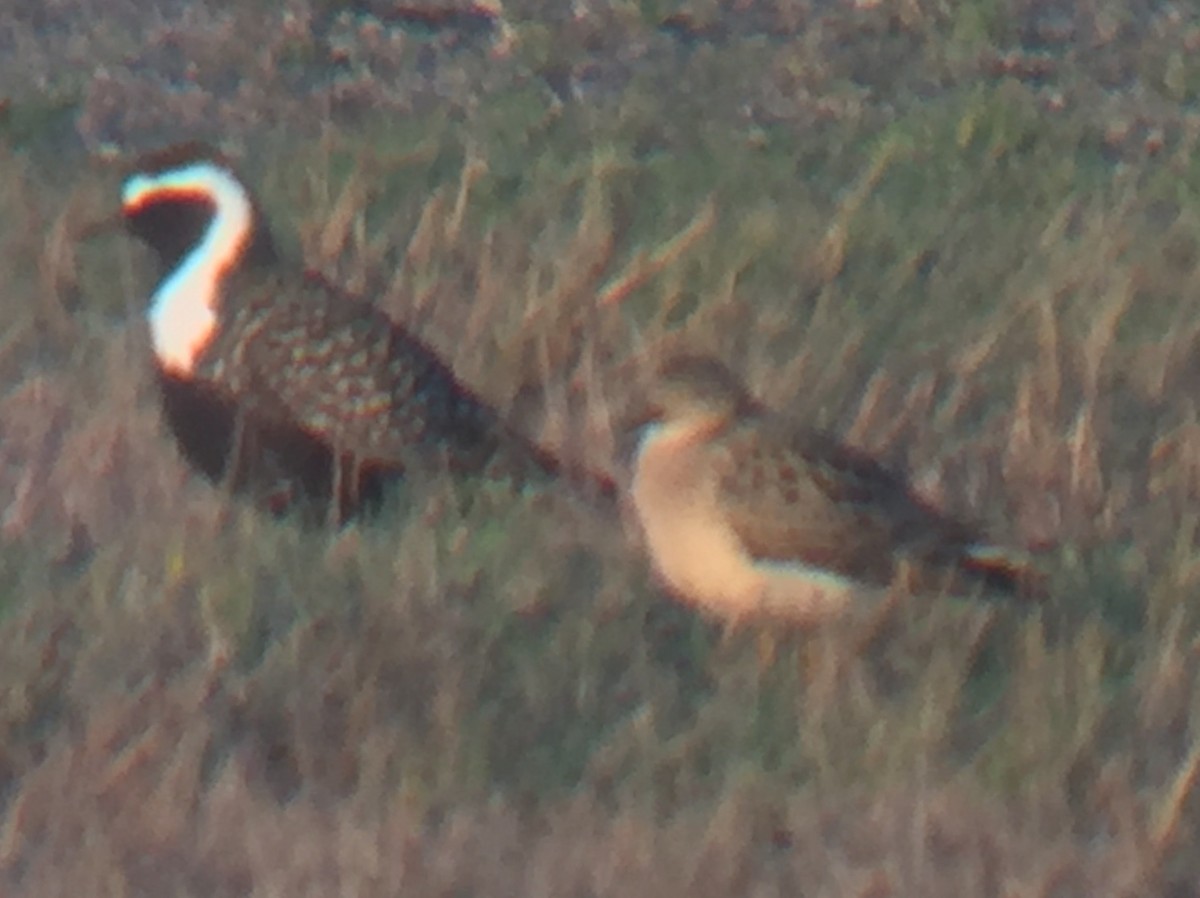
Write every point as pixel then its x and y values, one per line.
pixel 1004 569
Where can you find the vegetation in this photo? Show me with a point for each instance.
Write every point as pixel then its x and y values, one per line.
pixel 962 235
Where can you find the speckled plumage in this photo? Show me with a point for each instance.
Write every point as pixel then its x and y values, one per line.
pixel 746 514
pixel 343 371
pixel 295 375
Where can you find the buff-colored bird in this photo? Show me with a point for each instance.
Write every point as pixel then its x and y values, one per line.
pixel 748 517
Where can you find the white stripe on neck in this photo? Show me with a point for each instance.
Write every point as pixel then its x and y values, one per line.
pixel 183 309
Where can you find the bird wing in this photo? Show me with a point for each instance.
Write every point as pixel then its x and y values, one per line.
pixel 342 369
pixel 802 494
pixel 301 352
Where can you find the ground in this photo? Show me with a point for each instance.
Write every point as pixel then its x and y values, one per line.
pixel 960 235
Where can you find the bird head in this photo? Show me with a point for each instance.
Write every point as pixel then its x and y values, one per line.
pixel 173 197
pixel 694 388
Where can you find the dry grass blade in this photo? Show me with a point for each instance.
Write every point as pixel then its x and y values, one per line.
pixel 1169 815
pixel 1083 448
pixel 343 219
pixel 829 256
pixel 1048 372
pixel 425 240
pixel 1101 337
pixel 869 407
pixel 475 169
pixel 58 267
pixel 647 264
pixel 586 256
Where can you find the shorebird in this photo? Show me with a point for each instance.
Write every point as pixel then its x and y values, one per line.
pixel 748 517
pixel 263 366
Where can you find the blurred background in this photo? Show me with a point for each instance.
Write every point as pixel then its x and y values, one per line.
pixel 960 235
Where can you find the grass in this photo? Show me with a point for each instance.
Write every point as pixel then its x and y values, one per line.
pixel 484 692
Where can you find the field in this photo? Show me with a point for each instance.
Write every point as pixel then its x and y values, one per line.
pixel 960 235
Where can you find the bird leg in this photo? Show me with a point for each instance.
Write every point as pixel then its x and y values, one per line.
pixel 345 487
pixel 353 481
pixel 234 457
pixel 335 513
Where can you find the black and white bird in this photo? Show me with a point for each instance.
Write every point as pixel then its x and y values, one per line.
pixel 276 381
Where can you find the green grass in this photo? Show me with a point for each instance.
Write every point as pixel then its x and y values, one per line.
pixel 954 277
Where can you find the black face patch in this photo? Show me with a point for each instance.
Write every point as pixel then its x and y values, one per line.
pixel 171 223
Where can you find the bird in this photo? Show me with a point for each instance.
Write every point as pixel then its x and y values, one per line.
pixel 749 517
pixel 271 375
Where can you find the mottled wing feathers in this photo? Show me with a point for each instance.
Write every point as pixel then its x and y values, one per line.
pixel 342 370
pixel 792 493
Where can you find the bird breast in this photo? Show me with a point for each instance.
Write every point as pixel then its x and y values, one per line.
pixel 695 550
pixel 691 545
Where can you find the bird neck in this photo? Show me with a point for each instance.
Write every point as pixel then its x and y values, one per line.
pixel 185 307
pixel 694 427
pixel 667 448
